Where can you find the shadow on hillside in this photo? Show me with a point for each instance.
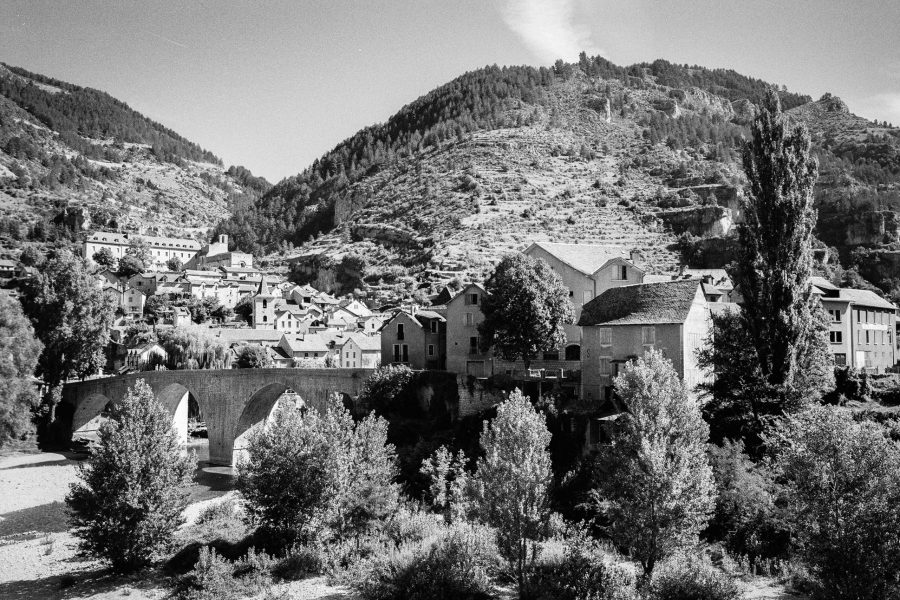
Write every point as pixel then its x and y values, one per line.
pixel 46 518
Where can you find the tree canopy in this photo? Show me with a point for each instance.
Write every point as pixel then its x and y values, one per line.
pixel 524 309
pixel 19 353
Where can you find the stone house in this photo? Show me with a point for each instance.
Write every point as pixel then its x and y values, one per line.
pixel 586 270
pixel 417 339
pixel 360 352
pixel 464 355
pixel 624 322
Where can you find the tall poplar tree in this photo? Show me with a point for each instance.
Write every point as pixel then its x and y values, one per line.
pixel 775 260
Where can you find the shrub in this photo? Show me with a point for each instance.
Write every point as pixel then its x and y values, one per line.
pixel 457 565
pixel 128 503
pixel 691 578
pixel 581 572
pixel 215 578
pixel 385 387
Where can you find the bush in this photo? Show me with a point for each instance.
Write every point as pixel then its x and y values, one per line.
pixel 691 578
pixel 385 387
pixel 459 564
pixel 215 578
pixel 581 572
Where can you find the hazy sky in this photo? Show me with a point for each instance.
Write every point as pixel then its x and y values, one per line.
pixel 273 85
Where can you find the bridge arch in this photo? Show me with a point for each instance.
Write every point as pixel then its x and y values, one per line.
pixel 257 411
pixel 88 414
pixel 175 397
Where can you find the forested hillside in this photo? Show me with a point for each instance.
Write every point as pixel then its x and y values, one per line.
pixel 646 156
pixel 74 157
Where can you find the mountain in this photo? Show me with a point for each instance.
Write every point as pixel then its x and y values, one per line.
pixel 72 157
pixel 646 156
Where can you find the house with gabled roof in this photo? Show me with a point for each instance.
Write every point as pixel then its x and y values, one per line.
pixel 624 322
pixel 464 353
pixel 359 351
pixel 587 270
pixel 417 338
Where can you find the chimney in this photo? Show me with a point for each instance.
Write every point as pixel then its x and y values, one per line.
pixel 636 255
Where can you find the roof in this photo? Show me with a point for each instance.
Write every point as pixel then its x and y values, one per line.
pixel 234 335
pixel 465 288
pixel 7 264
pixel 711 290
pixel 586 258
pixel 311 342
pixel 365 342
pixel 822 283
pixel 263 289
pixel 430 314
pixel 865 298
pixel 644 303
pixel 123 239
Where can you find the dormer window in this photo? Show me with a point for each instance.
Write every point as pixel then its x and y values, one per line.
pixel 471 299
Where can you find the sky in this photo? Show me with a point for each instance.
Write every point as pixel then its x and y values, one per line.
pixel 272 85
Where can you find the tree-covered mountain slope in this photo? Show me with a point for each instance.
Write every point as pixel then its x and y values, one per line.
pixel 646 156
pixel 68 152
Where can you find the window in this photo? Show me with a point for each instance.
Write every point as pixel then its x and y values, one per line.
pixel 858 315
pixel 835 337
pixel 430 349
pixel 620 272
pixel 605 365
pixel 473 345
pixel 470 320
pixel 573 352
pixel 265 318
pixel 434 327
pixel 867 336
pixel 840 360
pixel 401 353
pixel 648 335
pixel 265 304
pixel 400 335
pixel 471 299
pixel 571 293
pixel 835 315
pixel 605 336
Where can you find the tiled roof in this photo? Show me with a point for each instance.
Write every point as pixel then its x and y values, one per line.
pixel 365 342
pixel 586 258
pixel 822 283
pixel 103 237
pixel 645 303
pixel 865 298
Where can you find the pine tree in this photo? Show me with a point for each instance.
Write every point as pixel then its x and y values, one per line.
pixel 656 485
pixel 775 259
pixel 129 500
pixel 512 481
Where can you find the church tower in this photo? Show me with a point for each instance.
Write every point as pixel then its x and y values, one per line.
pixel 263 307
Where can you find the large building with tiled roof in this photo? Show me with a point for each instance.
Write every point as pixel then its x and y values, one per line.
pixel 624 322
pixel 161 248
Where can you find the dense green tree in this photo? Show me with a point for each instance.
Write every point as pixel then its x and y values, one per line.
pixel 104 258
pixel 775 258
pixel 71 316
pixel 157 307
pixel 128 502
pixel 512 481
pixel 137 258
pixel 19 352
pixel 843 477
pixel 655 484
pixel 32 257
pixel 187 349
pixel 175 264
pixel 253 356
pixel 319 474
pixel 244 309
pixel 129 266
pixel 525 308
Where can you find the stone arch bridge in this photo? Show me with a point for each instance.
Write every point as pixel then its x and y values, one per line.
pixel 230 400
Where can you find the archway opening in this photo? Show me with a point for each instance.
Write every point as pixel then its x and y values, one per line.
pixel 573 352
pixel 176 399
pixel 258 413
pixel 90 414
